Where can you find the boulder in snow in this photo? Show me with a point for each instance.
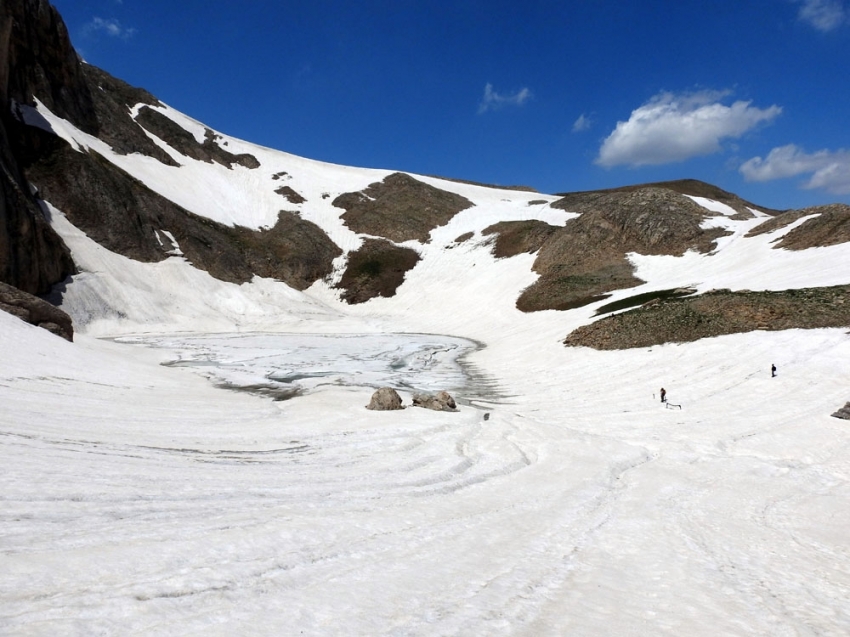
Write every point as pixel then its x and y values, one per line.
pixel 441 401
pixel 35 311
pixel 843 413
pixel 385 399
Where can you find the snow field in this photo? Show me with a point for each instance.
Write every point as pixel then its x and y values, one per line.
pixel 139 498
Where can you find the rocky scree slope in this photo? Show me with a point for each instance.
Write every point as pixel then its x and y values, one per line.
pixel 828 225
pixel 715 313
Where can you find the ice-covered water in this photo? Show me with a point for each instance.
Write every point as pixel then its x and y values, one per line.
pixel 285 365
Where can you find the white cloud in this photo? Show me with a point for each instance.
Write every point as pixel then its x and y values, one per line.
pixel 493 100
pixel 583 123
pixel 672 128
pixel 110 27
pixel 830 170
pixel 823 15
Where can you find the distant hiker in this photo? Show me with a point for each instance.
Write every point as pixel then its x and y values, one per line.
pixel 663 395
pixel 772 371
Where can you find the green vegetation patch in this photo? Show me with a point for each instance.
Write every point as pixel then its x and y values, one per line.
pixel 377 268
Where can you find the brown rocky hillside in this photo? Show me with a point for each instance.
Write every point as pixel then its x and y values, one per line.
pixel 125 216
pixel 375 269
pixel 829 225
pixel 681 320
pixel 585 259
pixel 399 208
pixel 692 187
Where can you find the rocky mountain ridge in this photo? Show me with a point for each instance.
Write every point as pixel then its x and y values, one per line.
pixel 393 219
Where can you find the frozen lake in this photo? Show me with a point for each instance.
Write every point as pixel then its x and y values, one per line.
pixel 286 365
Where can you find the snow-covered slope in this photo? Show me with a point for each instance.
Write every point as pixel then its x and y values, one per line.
pixel 140 499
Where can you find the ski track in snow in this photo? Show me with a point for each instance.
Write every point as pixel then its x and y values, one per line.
pixel 138 498
pixel 149 502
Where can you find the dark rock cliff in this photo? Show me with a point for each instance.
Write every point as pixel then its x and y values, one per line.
pixel 125 216
pixel 36 59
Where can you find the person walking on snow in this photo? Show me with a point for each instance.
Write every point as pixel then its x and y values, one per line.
pixel 663 395
pixel 772 371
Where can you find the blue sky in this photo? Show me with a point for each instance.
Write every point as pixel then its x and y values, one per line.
pixel 752 96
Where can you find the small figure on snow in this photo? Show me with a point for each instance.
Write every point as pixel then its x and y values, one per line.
pixel 663 395
pixel 772 371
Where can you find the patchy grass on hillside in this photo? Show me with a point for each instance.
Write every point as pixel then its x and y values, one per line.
pixel 377 268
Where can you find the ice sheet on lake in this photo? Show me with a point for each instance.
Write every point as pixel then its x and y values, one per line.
pixel 283 365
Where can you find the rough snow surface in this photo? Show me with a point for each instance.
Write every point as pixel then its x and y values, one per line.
pixel 139 499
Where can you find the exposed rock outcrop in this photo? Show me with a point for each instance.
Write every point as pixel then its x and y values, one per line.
pixel 518 237
pixel 185 143
pixel 843 413
pixel 586 258
pixel 35 311
pixel 399 208
pixel 375 269
pixel 113 100
pixel 290 195
pixel 125 216
pixel 830 226
pixel 681 320
pixel 385 399
pixel 441 401
pixel 36 59
pixel 691 187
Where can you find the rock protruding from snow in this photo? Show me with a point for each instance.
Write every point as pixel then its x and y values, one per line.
pixel 96 196
pixel 376 268
pixel 583 261
pixel 400 208
pixel 441 401
pixel 385 399
pixel 36 311
pixel 185 143
pixel 843 413
pixel 829 225
pixel 716 313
